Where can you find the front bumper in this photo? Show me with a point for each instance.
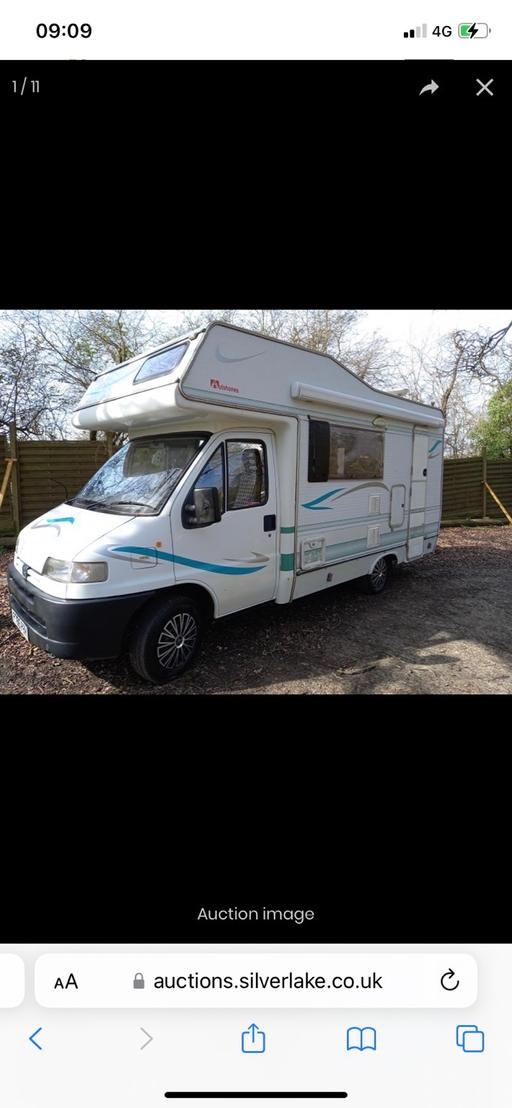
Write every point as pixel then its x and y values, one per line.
pixel 93 628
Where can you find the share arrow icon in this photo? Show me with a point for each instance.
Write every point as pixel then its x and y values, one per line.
pixel 429 88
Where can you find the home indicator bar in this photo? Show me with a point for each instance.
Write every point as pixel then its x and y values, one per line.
pixel 258 1096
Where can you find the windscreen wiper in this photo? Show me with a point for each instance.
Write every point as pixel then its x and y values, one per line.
pixel 127 503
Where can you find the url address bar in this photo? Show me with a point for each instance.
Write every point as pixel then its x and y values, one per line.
pixel 371 980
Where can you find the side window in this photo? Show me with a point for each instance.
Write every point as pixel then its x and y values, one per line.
pixel 212 476
pixel 355 454
pixel 159 364
pixel 247 475
pixel 350 453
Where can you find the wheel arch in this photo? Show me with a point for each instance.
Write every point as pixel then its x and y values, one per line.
pixel 202 596
pixel 391 559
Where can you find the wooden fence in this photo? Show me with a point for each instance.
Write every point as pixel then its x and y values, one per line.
pixel 46 474
pixel 464 495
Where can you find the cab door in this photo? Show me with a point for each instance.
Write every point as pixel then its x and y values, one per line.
pixel 236 557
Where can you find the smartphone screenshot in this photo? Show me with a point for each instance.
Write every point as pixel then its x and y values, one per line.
pixel 255 366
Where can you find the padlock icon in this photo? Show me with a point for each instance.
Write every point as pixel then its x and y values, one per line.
pixel 138 981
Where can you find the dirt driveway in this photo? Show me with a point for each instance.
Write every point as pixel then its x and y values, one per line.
pixel 444 625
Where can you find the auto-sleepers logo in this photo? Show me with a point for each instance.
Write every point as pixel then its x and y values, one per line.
pixel 216 384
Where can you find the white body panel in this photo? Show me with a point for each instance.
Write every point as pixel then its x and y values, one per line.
pixel 237 385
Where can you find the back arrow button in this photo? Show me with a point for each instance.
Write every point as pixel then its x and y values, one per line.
pixel 32 1038
pixel 429 88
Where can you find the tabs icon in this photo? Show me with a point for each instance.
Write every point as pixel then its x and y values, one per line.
pixel 470 1038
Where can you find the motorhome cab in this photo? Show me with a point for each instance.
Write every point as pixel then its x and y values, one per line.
pixel 254 471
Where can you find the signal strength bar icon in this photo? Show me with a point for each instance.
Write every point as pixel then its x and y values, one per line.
pixel 420 32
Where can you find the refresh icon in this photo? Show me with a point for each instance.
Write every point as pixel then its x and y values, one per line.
pixel 447 981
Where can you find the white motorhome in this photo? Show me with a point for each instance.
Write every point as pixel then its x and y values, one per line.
pixel 255 471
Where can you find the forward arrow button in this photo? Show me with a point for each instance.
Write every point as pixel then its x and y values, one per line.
pixel 149 1039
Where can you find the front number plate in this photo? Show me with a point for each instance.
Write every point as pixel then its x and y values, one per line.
pixel 20 625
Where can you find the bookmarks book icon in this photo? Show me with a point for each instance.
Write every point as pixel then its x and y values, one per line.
pixel 361 1038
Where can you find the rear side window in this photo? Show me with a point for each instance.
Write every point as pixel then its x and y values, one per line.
pixel 247 475
pixel 159 364
pixel 355 454
pixel 349 453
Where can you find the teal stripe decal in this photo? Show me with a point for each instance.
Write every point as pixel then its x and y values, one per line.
pixel 287 530
pixel 151 552
pixel 437 443
pixel 287 561
pixel 61 519
pixel 317 505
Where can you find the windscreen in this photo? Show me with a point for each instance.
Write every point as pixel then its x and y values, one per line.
pixel 140 477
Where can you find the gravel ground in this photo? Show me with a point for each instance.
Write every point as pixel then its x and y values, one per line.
pixel 442 626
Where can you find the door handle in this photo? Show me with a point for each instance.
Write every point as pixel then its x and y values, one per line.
pixel 269 523
pixel 424 473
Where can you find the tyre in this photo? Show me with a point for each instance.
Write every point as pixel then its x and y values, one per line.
pixel 166 639
pixel 377 580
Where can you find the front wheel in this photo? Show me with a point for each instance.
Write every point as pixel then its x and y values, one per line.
pixel 377 580
pixel 166 639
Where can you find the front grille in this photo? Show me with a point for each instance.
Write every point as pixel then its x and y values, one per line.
pixel 24 594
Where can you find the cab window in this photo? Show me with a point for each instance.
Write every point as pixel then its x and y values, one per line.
pixel 247 475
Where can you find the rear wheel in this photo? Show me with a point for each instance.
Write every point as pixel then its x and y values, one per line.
pixel 166 639
pixel 377 580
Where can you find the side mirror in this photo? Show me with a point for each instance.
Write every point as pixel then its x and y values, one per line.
pixel 203 509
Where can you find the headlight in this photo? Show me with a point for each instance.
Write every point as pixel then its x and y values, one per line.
pixel 57 570
pixel 75 572
pixel 88 571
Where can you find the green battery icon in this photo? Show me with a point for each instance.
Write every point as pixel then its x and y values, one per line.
pixel 473 30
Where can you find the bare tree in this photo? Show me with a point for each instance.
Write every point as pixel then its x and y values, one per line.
pixel 27 394
pixel 460 423
pixel 72 348
pixel 452 372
